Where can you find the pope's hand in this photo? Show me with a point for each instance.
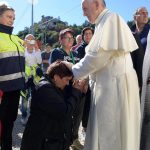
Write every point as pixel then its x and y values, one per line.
pixel 68 64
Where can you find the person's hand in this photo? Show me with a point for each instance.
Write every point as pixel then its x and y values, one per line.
pixel 85 85
pixel 25 43
pixel 31 44
pixel 68 64
pixel 80 85
pixel 85 88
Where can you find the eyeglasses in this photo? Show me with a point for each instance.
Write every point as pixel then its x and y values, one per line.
pixel 143 13
pixel 68 38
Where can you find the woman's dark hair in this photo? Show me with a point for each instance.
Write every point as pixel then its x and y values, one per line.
pixel 4 8
pixel 60 69
pixel 85 29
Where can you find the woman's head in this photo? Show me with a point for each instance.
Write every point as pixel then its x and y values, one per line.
pixel 60 74
pixel 87 34
pixel 66 38
pixel 30 42
pixel 7 15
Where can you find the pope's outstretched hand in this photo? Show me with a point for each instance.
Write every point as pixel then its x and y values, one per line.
pixel 68 64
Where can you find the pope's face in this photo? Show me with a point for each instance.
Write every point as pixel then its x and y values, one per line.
pixel 89 10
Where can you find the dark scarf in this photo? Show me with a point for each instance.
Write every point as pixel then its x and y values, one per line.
pixel 6 29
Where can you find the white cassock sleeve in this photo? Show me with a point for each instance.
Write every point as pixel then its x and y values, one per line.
pixel 92 62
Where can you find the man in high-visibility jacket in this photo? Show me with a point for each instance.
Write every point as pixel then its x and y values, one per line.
pixel 12 67
pixel 33 60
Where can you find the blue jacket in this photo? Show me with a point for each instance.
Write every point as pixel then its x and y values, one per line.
pixel 142 35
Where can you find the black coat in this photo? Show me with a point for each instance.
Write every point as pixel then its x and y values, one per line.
pixel 81 50
pixel 49 126
pixel 137 58
pixel 138 55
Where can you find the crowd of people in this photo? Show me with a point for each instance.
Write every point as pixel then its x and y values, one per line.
pixel 99 80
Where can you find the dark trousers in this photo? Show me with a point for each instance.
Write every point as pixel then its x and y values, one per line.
pixel 77 117
pixel 8 114
pixel 86 109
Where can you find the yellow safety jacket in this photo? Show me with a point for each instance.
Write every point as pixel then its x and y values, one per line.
pixel 12 62
pixel 30 71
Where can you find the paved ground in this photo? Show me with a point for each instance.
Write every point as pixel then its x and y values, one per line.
pixel 18 132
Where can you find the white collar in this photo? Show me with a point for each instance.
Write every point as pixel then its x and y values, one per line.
pixel 101 15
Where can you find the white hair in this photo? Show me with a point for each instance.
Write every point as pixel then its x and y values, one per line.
pixel 29 35
pixel 79 35
pixel 103 1
pixel 138 9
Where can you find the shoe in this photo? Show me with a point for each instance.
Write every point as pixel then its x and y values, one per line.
pixel 83 135
pixel 83 129
pixel 72 148
pixel 76 144
pixel 23 121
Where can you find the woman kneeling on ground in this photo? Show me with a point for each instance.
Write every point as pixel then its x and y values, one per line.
pixel 49 126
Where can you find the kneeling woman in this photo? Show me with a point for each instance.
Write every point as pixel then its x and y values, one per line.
pixel 49 126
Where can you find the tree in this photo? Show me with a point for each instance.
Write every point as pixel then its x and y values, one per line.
pixel 48 28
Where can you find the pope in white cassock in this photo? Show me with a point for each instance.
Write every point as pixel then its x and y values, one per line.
pixel 114 121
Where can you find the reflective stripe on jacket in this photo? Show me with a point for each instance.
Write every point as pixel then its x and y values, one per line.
pixel 30 71
pixel 12 62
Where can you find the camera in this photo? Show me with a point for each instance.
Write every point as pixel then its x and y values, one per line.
pixel 32 42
